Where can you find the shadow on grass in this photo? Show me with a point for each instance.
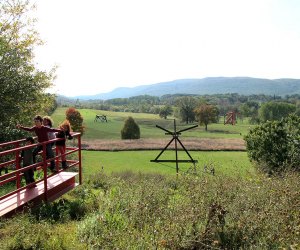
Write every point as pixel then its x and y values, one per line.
pixel 222 131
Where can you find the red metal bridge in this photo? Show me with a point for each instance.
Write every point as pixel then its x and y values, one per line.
pixel 16 196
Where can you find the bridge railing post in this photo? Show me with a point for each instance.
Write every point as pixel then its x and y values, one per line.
pixel 79 159
pixel 17 164
pixel 45 172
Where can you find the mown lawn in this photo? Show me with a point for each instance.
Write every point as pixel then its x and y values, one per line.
pixel 147 123
pixel 228 163
pixel 231 163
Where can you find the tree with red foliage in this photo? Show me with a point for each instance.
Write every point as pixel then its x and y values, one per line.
pixel 75 120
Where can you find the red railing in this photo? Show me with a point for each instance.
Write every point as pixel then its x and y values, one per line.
pixel 13 162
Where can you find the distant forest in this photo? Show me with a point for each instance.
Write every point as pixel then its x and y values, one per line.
pixel 153 104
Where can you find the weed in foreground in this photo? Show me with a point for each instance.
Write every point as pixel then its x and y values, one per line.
pixel 146 211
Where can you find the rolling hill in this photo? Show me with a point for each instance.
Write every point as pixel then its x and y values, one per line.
pixel 209 85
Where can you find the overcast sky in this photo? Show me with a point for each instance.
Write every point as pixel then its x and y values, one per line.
pixel 99 45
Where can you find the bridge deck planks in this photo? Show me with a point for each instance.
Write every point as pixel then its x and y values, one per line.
pixel 57 185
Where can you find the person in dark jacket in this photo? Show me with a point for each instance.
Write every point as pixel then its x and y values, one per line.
pixel 61 144
pixel 27 160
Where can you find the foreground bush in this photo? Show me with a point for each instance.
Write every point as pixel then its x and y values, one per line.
pixel 275 146
pixel 131 211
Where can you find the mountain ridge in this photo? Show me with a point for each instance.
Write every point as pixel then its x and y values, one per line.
pixel 208 85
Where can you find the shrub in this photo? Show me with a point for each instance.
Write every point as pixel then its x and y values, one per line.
pixel 220 212
pixel 275 145
pixel 130 130
pixel 75 119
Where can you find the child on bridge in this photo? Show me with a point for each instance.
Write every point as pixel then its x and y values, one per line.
pixel 27 158
pixel 47 122
pixel 61 145
pixel 42 134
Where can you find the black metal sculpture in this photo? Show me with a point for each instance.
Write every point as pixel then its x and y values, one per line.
pixel 101 118
pixel 175 138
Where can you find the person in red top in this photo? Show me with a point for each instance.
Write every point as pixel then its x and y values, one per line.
pixel 42 135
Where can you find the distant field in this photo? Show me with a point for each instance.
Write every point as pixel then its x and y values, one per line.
pixel 147 123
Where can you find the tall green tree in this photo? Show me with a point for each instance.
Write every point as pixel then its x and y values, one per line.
pixel 275 111
pixel 165 111
pixel 22 85
pixel 249 108
pixel 206 114
pixel 187 105
pixel 297 103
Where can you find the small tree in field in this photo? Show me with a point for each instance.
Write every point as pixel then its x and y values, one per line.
pixel 206 114
pixel 186 106
pixel 75 120
pixel 165 111
pixel 275 145
pixel 130 130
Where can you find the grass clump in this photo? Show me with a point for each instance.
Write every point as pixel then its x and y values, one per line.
pixel 153 211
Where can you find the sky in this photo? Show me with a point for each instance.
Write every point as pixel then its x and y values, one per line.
pixel 100 45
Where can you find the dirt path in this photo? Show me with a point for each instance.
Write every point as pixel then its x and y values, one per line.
pixel 158 144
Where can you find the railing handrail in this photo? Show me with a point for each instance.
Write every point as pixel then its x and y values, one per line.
pixel 5 144
pixel 18 172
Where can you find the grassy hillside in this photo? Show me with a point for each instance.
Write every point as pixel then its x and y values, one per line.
pixel 147 123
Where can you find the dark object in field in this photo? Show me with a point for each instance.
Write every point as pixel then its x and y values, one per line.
pixel 101 118
pixel 175 138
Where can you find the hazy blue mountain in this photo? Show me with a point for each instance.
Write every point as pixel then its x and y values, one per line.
pixel 209 85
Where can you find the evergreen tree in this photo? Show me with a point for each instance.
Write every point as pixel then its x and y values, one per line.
pixel 130 130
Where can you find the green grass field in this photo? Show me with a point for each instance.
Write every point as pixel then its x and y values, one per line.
pixel 229 163
pixel 147 123
pixel 117 207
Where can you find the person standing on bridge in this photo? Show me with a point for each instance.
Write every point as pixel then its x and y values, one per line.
pixel 61 144
pixel 27 160
pixel 48 122
pixel 42 134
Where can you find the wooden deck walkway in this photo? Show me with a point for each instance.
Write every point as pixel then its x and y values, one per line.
pixel 57 185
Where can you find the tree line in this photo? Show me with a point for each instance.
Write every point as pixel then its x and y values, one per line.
pixel 190 108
